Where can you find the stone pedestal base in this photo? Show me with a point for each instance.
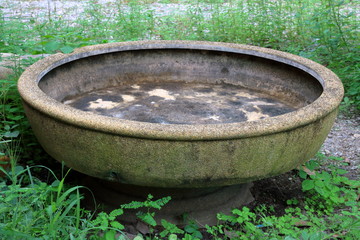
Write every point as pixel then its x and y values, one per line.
pixel 198 204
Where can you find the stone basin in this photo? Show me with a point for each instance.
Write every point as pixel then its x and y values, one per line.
pixel 180 114
pixel 194 120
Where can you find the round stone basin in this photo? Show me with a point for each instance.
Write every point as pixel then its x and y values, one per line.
pixel 180 114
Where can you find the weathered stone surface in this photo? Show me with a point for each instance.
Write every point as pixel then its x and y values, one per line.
pixel 180 155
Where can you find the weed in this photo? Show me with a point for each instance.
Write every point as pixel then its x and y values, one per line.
pixel 192 231
pixel 108 224
pixel 332 188
pixel 331 210
pixel 148 216
pixel 31 208
pixel 169 229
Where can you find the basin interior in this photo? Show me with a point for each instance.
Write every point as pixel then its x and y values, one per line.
pixel 180 103
pixel 181 86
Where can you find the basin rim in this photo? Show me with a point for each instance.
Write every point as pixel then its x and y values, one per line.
pixel 325 104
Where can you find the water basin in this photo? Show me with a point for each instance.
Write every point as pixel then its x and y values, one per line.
pixel 180 116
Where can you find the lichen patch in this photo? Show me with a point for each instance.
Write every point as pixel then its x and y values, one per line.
pixel 99 103
pixel 162 93
pixel 128 98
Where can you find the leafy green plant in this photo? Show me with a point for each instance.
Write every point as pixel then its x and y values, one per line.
pixel 31 208
pixel 192 231
pixel 134 23
pixel 332 188
pixel 14 125
pixel 108 224
pixel 149 204
pixel 243 219
pixel 170 229
pixel 329 193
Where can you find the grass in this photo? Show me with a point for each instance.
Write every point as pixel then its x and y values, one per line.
pixel 36 207
pixel 33 209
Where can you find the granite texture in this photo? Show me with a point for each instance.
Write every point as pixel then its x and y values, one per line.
pixel 180 155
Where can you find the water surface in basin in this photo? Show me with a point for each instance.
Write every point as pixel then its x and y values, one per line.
pixel 180 103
